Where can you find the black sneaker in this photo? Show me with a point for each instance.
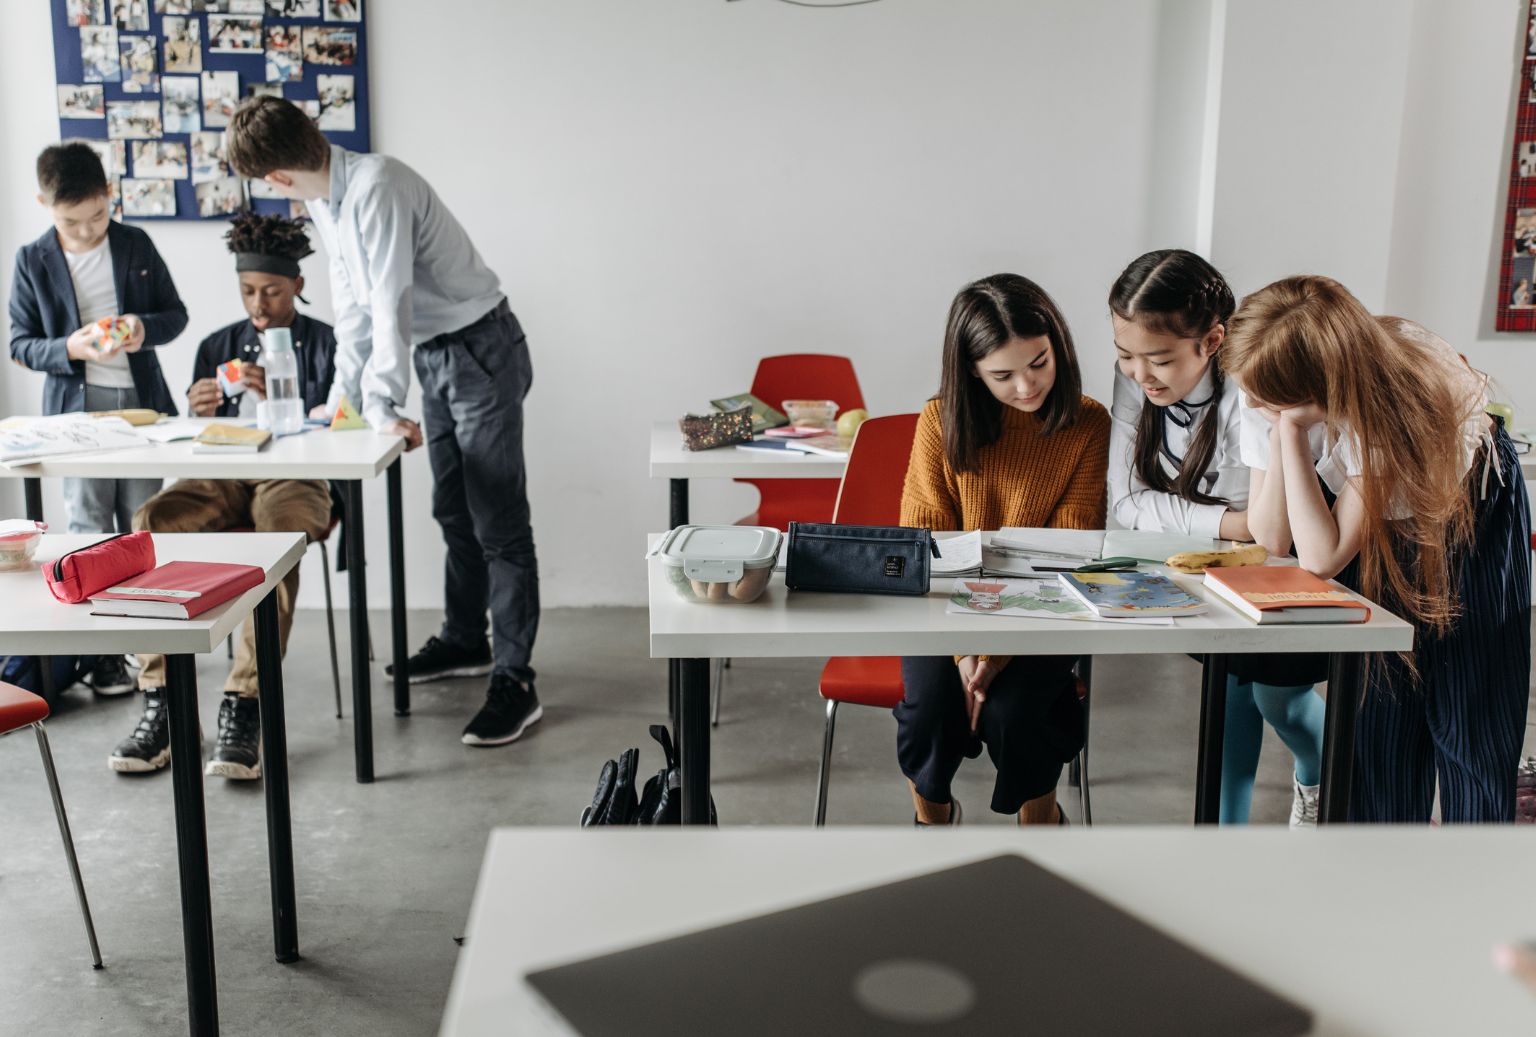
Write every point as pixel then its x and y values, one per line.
pixel 438 660
pixel 238 754
pixel 149 747
pixel 510 706
pixel 110 677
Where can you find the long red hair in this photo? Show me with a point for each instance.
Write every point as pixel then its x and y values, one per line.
pixel 1384 382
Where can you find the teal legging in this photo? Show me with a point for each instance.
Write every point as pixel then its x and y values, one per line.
pixel 1295 713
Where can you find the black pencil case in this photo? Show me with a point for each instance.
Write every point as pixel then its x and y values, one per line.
pixel 826 556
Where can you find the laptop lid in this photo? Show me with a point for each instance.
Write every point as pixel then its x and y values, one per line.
pixel 1000 945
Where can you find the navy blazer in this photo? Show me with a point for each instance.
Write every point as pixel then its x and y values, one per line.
pixel 314 346
pixel 44 314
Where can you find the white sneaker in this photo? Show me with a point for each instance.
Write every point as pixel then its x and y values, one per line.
pixel 1304 805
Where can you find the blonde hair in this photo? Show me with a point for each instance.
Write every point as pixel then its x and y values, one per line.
pixel 1383 382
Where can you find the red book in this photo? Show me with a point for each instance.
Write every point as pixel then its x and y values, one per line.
pixel 177 590
pixel 1284 594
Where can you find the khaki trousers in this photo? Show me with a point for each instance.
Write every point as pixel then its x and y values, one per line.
pixel 215 505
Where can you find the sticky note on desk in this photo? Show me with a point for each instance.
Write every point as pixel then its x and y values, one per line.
pixel 346 417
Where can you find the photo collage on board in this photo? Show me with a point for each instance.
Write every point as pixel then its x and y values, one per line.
pixel 151 86
pixel 1515 308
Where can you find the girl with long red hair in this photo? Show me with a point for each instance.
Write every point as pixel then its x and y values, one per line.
pixel 1429 517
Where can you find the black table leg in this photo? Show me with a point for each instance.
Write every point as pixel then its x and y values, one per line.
pixel 32 489
pixel 192 844
pixel 357 581
pixel 679 502
pixel 397 589
pixel 679 516
pixel 693 738
pixel 1344 690
pixel 274 753
pixel 1213 723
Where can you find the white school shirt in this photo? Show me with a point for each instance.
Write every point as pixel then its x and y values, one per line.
pixel 1135 504
pixel 1336 455
pixel 402 271
pixel 95 298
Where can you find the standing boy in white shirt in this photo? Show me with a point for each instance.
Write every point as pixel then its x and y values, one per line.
pixel 405 278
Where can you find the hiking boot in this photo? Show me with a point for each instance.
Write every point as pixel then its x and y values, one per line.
pixel 149 747
pixel 238 753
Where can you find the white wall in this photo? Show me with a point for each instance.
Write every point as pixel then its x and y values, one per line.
pixel 1307 152
pixel 672 189
pixel 1466 60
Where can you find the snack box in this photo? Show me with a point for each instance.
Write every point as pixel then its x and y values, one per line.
pixel 719 565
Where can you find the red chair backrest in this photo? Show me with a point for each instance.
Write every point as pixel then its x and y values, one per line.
pixel 870 494
pixel 807 376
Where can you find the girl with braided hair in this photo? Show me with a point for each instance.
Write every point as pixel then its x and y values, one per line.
pixel 1175 466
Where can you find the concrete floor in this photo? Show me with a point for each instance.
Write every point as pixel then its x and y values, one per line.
pixel 386 872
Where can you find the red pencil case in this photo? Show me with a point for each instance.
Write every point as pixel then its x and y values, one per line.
pixel 75 576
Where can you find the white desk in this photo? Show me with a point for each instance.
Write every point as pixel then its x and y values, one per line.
pixel 346 457
pixel 670 461
pixel 837 624
pixel 33 622
pixel 1381 931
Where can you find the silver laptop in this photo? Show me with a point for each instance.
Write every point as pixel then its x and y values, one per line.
pixel 999 946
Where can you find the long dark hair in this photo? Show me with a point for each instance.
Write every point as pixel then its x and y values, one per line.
pixel 985 316
pixel 1174 292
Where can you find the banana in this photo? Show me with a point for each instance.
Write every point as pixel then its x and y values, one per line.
pixel 1199 561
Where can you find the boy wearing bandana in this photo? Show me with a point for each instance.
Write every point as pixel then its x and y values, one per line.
pixel 267 251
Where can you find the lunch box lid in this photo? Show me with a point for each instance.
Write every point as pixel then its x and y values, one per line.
pixel 720 549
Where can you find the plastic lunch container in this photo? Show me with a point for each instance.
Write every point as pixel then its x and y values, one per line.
pixel 18 542
pixel 719 564
pixel 816 413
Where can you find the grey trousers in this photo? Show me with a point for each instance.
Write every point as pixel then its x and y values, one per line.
pixel 106 505
pixel 472 385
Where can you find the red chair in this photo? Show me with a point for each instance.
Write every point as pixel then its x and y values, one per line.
pixel 18 709
pixel 800 376
pixel 870 495
pixel 793 376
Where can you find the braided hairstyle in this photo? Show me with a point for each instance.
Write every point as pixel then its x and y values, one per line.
pixel 1175 292
pixel 268 235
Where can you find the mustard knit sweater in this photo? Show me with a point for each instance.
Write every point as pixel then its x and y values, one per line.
pixel 1024 479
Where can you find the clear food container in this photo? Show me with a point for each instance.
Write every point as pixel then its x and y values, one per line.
pixel 719 565
pixel 18 542
pixel 813 413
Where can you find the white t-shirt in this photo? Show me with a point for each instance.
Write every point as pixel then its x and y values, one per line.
pixel 1135 504
pixel 1336 455
pixel 96 297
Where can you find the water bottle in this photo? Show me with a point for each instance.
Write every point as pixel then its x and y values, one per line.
pixel 285 408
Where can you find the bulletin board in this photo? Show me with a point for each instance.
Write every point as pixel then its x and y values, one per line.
pixel 1517 275
pixel 151 84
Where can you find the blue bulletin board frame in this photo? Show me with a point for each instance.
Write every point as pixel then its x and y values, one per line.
pixel 250 67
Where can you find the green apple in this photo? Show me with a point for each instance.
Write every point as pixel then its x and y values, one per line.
pixel 848 422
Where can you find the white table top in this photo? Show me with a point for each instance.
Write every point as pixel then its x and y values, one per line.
pixel 33 622
pixel 670 461
pixel 781 624
pixel 1380 931
pixel 317 454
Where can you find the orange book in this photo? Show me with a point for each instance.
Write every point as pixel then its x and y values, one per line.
pixel 1284 594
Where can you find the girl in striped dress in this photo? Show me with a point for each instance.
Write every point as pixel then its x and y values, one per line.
pixel 1431 506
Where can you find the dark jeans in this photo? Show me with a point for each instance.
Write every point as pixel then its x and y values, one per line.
pixel 1032 723
pixel 472 384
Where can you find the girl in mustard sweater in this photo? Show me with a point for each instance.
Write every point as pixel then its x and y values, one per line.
pixel 1009 441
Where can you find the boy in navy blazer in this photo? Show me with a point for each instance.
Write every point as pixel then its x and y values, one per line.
pixel 84 269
